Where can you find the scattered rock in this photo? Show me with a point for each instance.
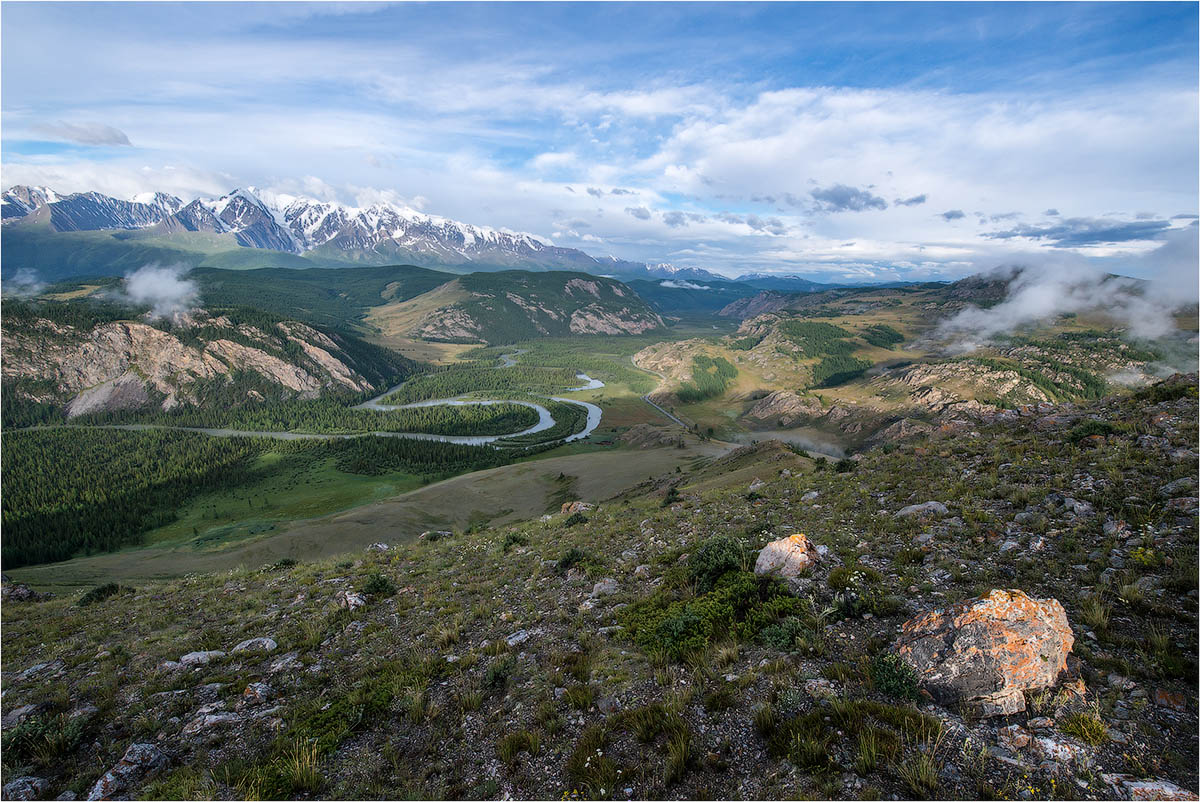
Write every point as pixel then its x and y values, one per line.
pixel 811 495
pixel 255 645
pixel 1014 737
pixel 757 484
pixel 641 572
pixel 922 510
pixel 349 600
pixel 378 547
pixel 25 788
pixel 14 717
pixel 140 763
pixel 16 592
pixel 820 688
pixel 209 720
pixel 989 650
pixel 605 587
pixel 576 506
pixel 200 658
pixel 518 637
pixel 256 693
pixel 288 661
pixel 1170 700
pixel 1040 723
pixel 1057 750
pixel 1156 790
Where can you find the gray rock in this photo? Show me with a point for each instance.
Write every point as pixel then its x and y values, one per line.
pixel 605 587
pixel 641 572
pixel 811 495
pixel 256 645
pixel 926 508
pixel 200 658
pixel 349 600
pixel 25 788
pixel 518 637
pixel 378 547
pixel 140 763
pixel 1179 487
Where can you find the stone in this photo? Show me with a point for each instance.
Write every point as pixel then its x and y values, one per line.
pixel 1040 723
pixel 922 510
pixel 641 572
pixel 1170 700
pixel 378 547
pixel 25 788
pixel 757 484
pixel 605 587
pixel 287 662
pixel 811 495
pixel 518 637
pixel 349 600
pixel 820 688
pixel 255 645
pixel 1156 790
pixel 1056 750
pixel 17 592
pixel 1009 545
pixel 207 721
pixel 15 716
pixel 1177 487
pixel 200 658
pixel 576 506
pixel 609 631
pixel 140 763
pixel 256 693
pixel 988 651
pixel 1014 737
pixel 787 558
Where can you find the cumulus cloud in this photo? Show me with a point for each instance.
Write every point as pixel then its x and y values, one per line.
pixel 640 212
pixel 163 288
pixel 841 198
pixel 83 133
pixel 953 214
pixel 1051 213
pixel 1074 232
pixel 915 200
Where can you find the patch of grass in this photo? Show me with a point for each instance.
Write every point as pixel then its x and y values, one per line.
pixel 1087 726
pixel 512 539
pixel 580 697
pixel 588 768
pixel 512 745
pixel 44 740
pixel 1094 612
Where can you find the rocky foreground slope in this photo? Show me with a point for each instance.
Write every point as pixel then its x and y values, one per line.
pixel 999 609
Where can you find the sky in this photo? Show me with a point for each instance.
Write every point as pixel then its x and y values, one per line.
pixel 832 140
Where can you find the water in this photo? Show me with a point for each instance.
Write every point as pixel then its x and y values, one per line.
pixel 545 419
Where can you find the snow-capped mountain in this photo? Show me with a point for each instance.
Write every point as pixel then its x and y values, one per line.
pixel 668 270
pixel 380 232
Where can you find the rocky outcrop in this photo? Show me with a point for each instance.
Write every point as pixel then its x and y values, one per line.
pixel 596 319
pixel 988 651
pixel 132 364
pixel 785 408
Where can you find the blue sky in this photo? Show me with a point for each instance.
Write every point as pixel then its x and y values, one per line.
pixel 841 140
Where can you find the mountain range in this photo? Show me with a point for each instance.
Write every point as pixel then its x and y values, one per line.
pixel 320 230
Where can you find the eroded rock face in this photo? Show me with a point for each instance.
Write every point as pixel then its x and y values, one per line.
pixel 787 558
pixel 988 651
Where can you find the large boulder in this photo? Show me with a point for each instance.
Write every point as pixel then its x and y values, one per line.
pixel 988 651
pixel 787 558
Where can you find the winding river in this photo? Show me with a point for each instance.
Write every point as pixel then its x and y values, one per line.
pixel 545 419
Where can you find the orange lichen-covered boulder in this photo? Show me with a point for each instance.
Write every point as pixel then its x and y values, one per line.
pixel 786 558
pixel 988 651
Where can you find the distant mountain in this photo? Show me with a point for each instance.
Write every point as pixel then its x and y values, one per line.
pixel 382 232
pixel 785 283
pixel 682 296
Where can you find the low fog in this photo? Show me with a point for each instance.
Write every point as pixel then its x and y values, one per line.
pixel 1044 287
pixel 161 287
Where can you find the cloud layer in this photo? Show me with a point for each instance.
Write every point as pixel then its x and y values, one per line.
pixel 739 152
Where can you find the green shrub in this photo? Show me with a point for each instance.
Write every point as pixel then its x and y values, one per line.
pixel 102 593
pixel 1088 428
pixel 713 559
pixel 893 677
pixel 514 539
pixel 379 585
pixel 498 674
pixel 784 634
pixel 44 740
pixel 574 519
pixel 574 556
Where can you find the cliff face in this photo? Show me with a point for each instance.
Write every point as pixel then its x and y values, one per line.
pixel 130 364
